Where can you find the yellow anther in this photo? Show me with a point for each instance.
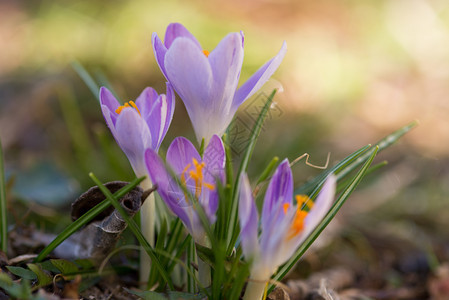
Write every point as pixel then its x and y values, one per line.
pixel 127 104
pixel 205 52
pixel 209 186
pixel 297 224
pixel 303 200
pixel 198 176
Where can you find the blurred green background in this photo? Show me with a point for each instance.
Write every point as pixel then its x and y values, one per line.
pixel 354 72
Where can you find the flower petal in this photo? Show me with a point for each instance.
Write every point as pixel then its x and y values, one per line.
pixel 249 220
pixel 146 101
pixel 167 111
pixel 214 159
pixel 320 208
pixel 258 79
pixel 166 186
pixel 275 218
pixel 159 50
pixel 149 104
pixel 180 154
pixel 226 62
pixel 279 192
pixel 175 30
pixel 322 204
pixel 190 73
pixel 133 137
pixel 108 99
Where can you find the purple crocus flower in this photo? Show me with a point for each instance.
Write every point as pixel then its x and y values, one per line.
pixel 284 226
pixel 138 125
pixel 207 82
pixel 199 176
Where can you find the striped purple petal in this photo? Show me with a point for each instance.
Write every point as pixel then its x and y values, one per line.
pixel 258 79
pixel 249 220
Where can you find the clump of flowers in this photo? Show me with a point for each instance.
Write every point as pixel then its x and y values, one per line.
pixel 213 244
pixel 217 208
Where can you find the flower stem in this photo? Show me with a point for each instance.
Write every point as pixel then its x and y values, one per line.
pixel 255 289
pixel 147 221
pixel 204 273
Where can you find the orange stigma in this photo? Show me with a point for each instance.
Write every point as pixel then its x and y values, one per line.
pixel 127 104
pixel 205 52
pixel 197 176
pixel 297 224
pixel 303 201
pixel 285 206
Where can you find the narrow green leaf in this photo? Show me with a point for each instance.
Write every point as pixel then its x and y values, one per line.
pixel 308 187
pixel 103 81
pixel 134 228
pixel 65 267
pixel 372 169
pixel 382 144
pixel 159 247
pixel 268 170
pixel 191 286
pixel 233 224
pixel 201 152
pixel 179 251
pixel 219 265
pixel 3 206
pixel 330 215
pixel 88 80
pixel 162 234
pixel 84 219
pixel 239 280
pixel 22 272
pixel 43 278
pixel 175 234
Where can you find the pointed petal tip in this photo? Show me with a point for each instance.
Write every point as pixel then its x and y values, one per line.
pixel 102 93
pixel 153 37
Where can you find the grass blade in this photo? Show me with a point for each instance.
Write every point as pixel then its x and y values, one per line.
pixel 88 80
pixel 350 163
pixel 84 219
pixel 382 144
pixel 330 215
pixel 3 217
pixel 191 287
pixel 310 186
pixel 134 228
pixel 268 170
pixel 232 232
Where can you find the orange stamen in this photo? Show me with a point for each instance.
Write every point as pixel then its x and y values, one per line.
pixel 297 224
pixel 285 206
pixel 205 52
pixel 209 186
pixel 127 104
pixel 198 176
pixel 304 200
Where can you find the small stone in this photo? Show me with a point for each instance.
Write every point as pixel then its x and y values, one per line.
pixel 278 294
